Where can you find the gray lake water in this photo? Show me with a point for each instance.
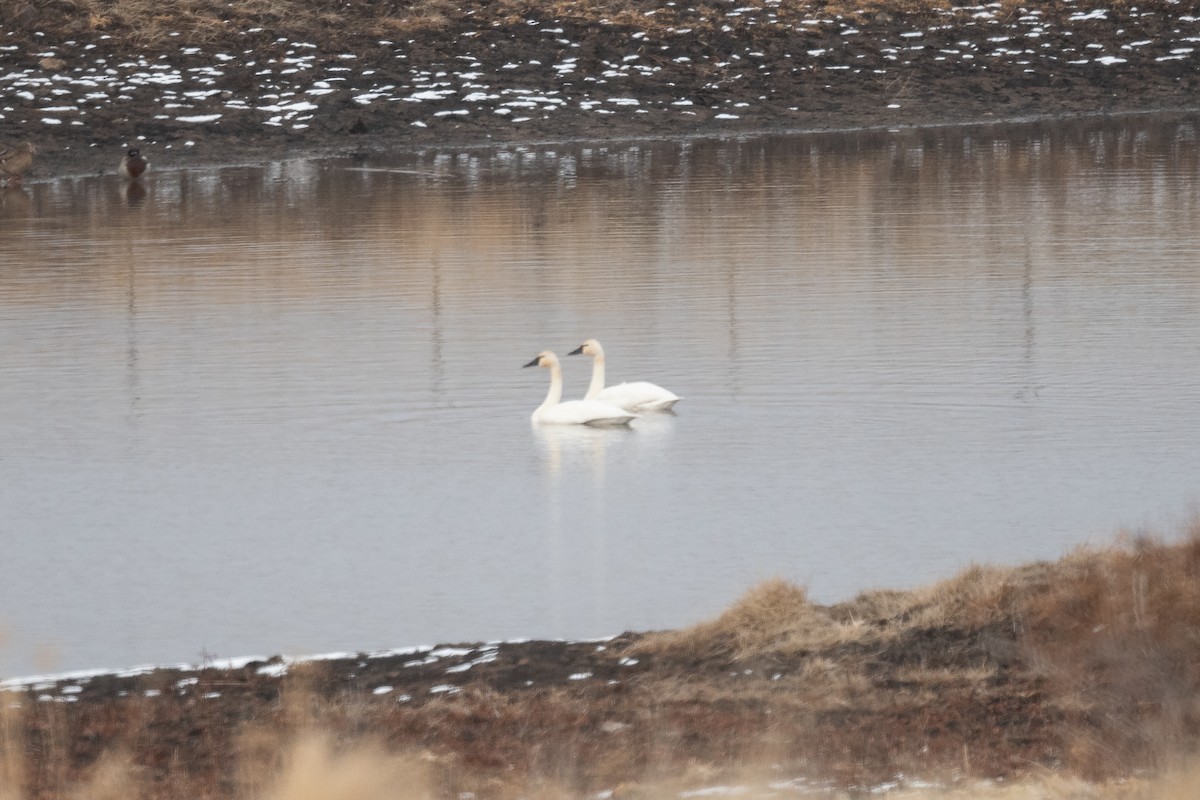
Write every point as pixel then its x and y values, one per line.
pixel 281 409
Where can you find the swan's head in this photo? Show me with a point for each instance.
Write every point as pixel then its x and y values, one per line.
pixel 589 348
pixel 544 359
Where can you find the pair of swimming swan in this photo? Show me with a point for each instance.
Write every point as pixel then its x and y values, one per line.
pixel 616 405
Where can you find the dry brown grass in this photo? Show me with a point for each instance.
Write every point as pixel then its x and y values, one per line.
pixel 1118 639
pixel 146 23
pixel 773 618
pixel 12 755
pixel 776 618
pixel 317 768
pixel 113 777
pixel 1112 635
pixel 1179 784
pixel 1137 595
pixel 313 765
pixel 1096 671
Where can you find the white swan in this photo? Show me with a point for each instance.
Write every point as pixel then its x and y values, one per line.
pixel 633 396
pixel 553 411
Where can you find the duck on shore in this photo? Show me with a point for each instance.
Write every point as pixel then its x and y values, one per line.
pixel 15 161
pixel 133 165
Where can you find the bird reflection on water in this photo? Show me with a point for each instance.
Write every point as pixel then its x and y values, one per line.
pixel 14 202
pixel 135 193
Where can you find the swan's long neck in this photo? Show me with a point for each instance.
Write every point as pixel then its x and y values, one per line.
pixel 597 384
pixel 554 396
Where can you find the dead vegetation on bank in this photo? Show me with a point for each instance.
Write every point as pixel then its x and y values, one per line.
pixel 314 767
pixel 1110 635
pixel 1139 596
pixel 157 22
pixel 1078 678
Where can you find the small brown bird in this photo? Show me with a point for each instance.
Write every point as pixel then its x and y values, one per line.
pixel 133 165
pixel 15 160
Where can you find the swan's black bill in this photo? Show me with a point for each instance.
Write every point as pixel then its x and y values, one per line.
pixel 578 351
pixel 533 363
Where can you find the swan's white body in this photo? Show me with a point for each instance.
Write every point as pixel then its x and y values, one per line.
pixel 632 396
pixel 553 411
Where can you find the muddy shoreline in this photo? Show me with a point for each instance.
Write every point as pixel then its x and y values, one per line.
pixel 198 90
pixel 994 675
pixel 482 709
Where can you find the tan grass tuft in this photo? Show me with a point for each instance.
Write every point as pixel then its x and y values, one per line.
pixel 12 750
pixel 113 777
pixel 314 768
pixel 977 597
pixel 773 618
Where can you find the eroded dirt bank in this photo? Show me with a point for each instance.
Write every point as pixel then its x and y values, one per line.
pixel 209 82
pixel 1081 667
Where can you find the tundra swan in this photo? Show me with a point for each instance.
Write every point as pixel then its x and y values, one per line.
pixel 553 411
pixel 633 396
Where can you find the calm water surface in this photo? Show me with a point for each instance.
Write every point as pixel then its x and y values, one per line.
pixel 281 409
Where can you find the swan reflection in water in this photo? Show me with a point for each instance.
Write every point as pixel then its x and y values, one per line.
pixel 583 448
pixel 573 446
pixel 574 510
pixel 576 460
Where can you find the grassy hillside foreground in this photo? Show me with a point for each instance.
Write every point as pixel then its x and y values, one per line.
pixel 1077 678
